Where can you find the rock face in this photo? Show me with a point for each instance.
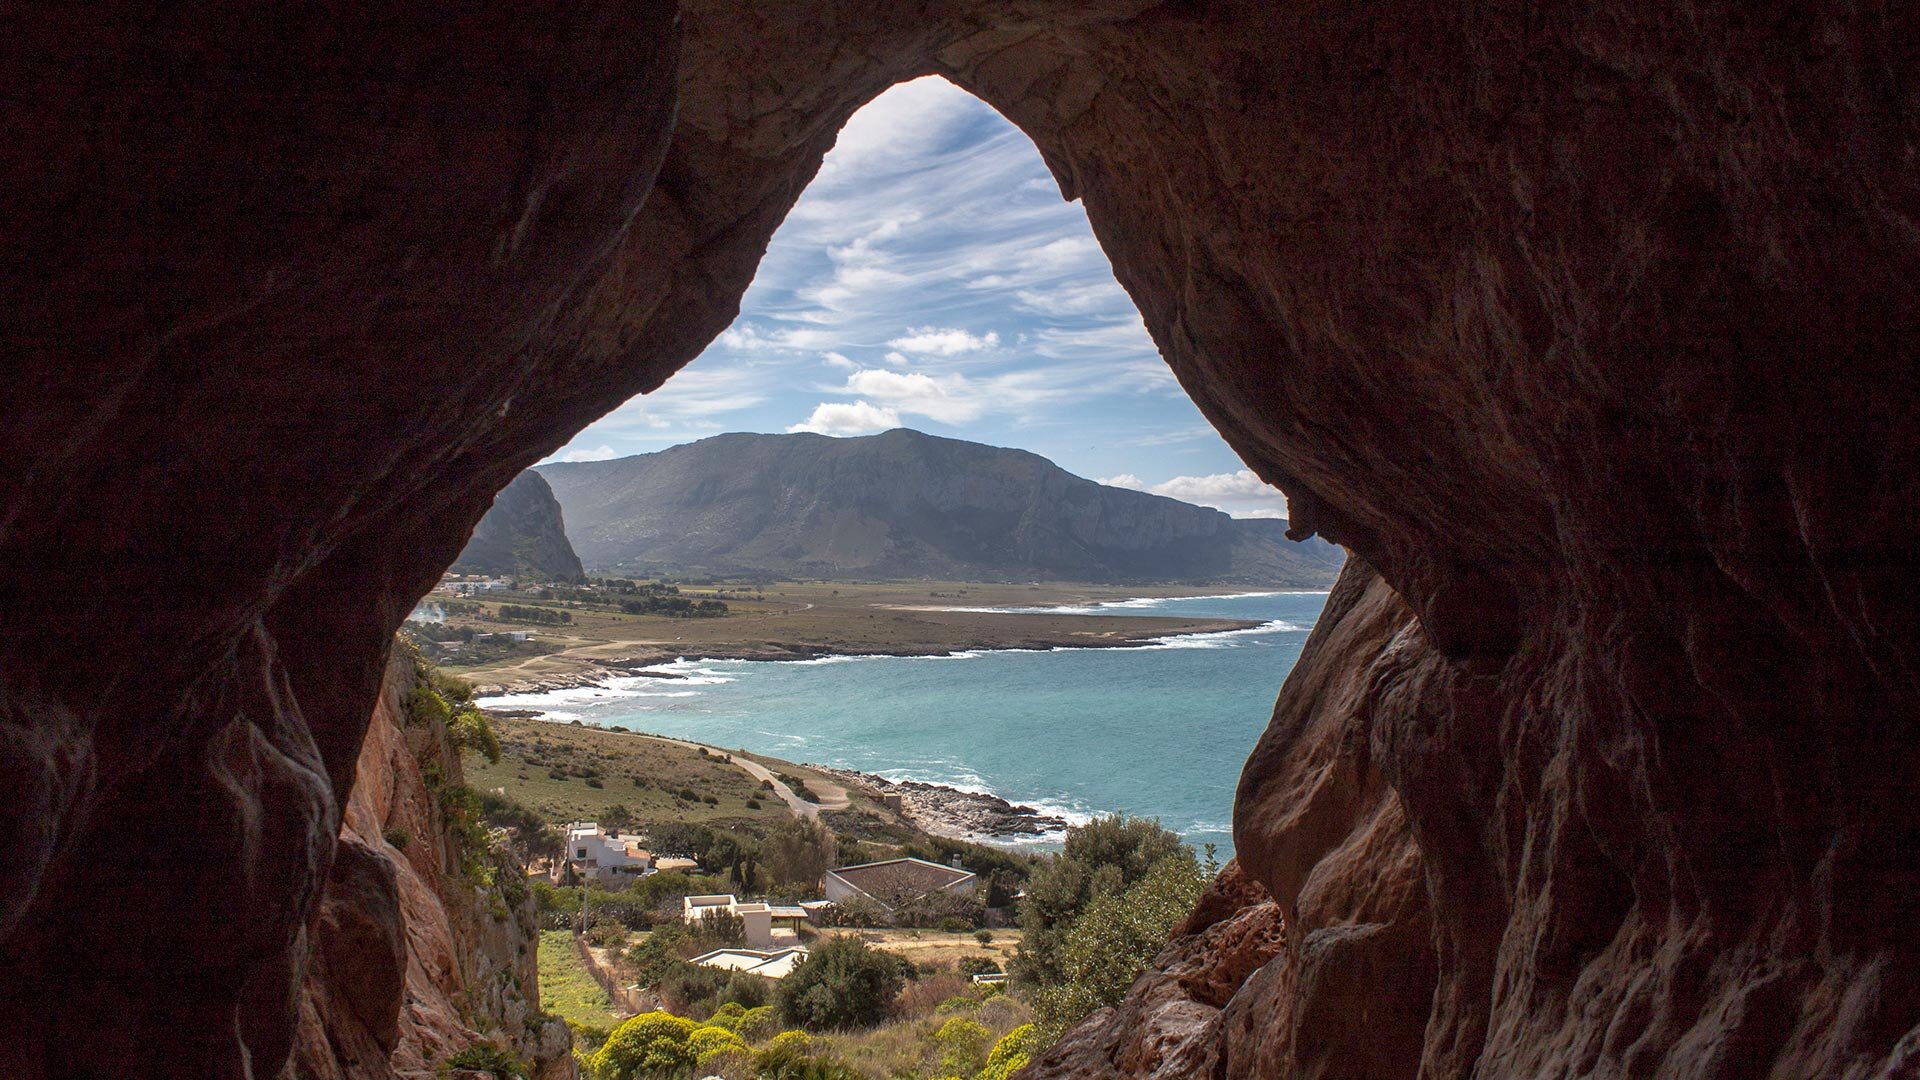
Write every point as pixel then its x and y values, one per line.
pixel 523 533
pixel 1589 327
pixel 906 504
pixel 410 961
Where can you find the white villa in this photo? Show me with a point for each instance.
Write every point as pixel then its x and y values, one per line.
pixel 893 882
pixel 768 926
pixel 770 963
pixel 598 854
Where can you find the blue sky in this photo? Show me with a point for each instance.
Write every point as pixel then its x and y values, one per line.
pixel 931 277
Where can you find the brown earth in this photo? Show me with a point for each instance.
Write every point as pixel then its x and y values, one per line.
pixel 1589 327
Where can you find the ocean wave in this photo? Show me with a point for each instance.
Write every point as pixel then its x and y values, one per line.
pixel 1223 639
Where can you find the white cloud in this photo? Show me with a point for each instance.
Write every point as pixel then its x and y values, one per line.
pixel 1241 493
pixel 749 338
pixel 1124 480
pixel 834 359
pixel 932 341
pixel 897 360
pixel 950 399
pixel 602 452
pixel 848 418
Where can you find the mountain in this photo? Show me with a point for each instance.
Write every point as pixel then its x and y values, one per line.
pixel 903 504
pixel 522 534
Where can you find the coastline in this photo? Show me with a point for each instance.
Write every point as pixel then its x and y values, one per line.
pixel 593 672
pixel 954 813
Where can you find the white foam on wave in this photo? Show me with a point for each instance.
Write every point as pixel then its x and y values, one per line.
pixel 1223 639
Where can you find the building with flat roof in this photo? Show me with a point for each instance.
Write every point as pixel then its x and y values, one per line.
pixel 768 963
pixel 595 853
pixel 894 882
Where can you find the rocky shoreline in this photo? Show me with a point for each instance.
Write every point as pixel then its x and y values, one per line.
pixel 953 813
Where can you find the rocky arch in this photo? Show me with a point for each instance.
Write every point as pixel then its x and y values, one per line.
pixel 1589 327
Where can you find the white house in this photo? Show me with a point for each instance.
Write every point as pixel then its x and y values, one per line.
pixel 767 926
pixel 893 882
pixel 595 853
pixel 769 963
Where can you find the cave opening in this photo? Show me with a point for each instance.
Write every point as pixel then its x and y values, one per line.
pixel 1591 327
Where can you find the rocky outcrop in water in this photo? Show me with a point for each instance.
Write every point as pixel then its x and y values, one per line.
pixel 523 533
pixel 1590 328
pixel 902 504
pixel 412 961
pixel 950 812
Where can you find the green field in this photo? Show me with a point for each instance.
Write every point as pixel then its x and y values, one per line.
pixel 552 769
pixel 566 989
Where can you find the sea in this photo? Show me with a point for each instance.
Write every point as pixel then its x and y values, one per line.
pixel 1159 730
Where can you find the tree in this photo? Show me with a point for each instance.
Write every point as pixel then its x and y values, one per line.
pixel 1115 938
pixel 798 852
pixel 1101 858
pixel 844 984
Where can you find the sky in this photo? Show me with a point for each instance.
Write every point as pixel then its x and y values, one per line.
pixel 932 277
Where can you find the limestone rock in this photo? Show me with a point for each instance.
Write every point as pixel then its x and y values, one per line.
pixel 1590 328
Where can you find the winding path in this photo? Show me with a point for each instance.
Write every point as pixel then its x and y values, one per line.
pixel 832 796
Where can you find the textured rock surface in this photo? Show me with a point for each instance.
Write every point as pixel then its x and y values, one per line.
pixel 903 504
pixel 1590 327
pixel 411 963
pixel 523 532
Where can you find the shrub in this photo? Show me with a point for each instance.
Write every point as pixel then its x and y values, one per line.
pixel 1012 1053
pixel 654 1042
pixel 923 997
pixel 785 1053
pixel 595 782
pixel 397 836
pixel 978 965
pixel 844 984
pixel 958 1003
pixel 606 935
pixel 759 1023
pixel 753 804
pixel 727 1016
pixel 1114 939
pixel 954 924
pixel 470 730
pixel 489 1059
pixel 963 1045
pixel 707 1039
pixel 727 1062
pixel 984 937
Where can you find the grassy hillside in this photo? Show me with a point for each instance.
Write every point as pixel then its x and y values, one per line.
pixel 565 772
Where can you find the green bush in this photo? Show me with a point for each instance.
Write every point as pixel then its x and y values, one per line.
pixel 489 1059
pixel 1012 1053
pixel 963 1045
pixel 785 1055
pixel 648 1044
pixel 469 729
pixel 759 1023
pixel 710 1038
pixel 397 836
pixel 844 984
pixel 1113 940
pixel 984 937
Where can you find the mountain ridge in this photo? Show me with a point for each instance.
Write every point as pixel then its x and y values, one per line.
pixel 905 504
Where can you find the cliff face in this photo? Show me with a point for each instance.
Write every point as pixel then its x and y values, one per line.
pixel 904 504
pixel 523 532
pixel 411 962
pixel 1590 328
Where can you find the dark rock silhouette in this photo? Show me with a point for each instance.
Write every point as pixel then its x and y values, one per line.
pixel 1591 329
pixel 523 533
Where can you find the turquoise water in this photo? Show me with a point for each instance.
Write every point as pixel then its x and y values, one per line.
pixel 1159 731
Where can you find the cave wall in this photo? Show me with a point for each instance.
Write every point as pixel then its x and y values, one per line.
pixel 1590 328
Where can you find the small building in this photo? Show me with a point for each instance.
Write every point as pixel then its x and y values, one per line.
pixel 766 926
pixel 676 862
pixel 767 963
pixel 595 853
pixel 991 978
pixel 892 883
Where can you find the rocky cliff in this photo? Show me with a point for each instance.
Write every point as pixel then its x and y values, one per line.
pixel 421 947
pixel 1590 328
pixel 523 533
pixel 906 504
